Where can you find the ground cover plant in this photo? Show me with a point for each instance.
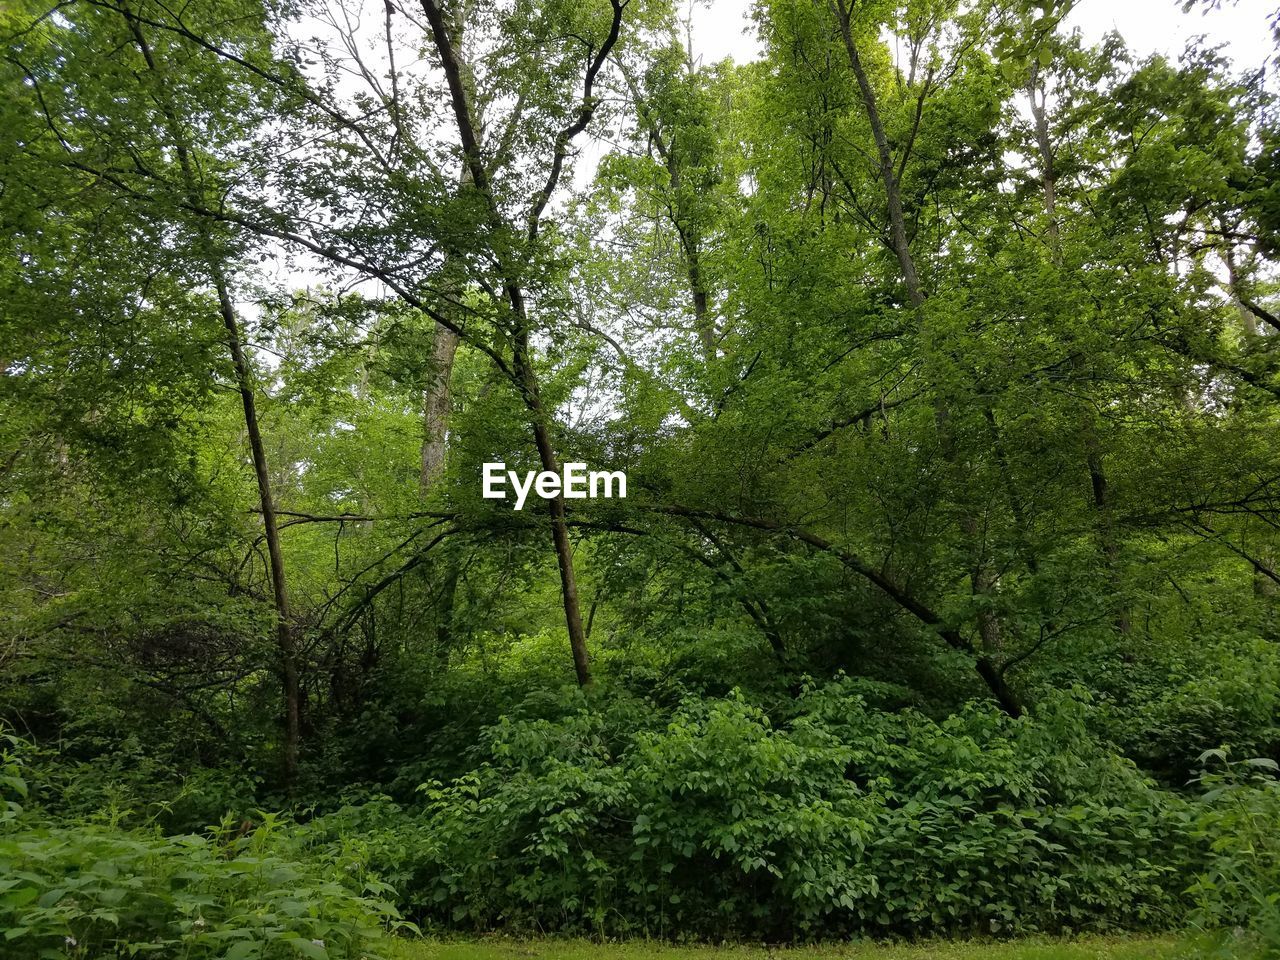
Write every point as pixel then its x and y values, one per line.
pixel 927 363
pixel 1086 949
pixel 76 889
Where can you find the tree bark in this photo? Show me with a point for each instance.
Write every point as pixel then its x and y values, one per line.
pixel 689 236
pixel 1048 177
pixel 436 407
pixel 702 322
pixel 981 579
pixel 285 645
pixel 888 177
pixel 444 347
pixel 555 506
pixel 525 374
pixel 284 627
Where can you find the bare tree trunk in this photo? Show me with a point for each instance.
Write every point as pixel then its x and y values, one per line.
pixel 555 505
pixel 438 396
pixel 436 407
pixel 1048 178
pixel 888 178
pixel 690 240
pixel 982 580
pixel 444 347
pixel 702 321
pixel 462 100
pixel 284 628
pixel 285 645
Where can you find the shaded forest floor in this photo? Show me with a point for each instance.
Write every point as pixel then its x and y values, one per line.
pixel 505 949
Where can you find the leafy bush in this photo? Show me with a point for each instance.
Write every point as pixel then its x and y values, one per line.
pixel 1238 895
pixel 991 824
pixel 1194 694
pixel 92 891
pixel 376 841
pixel 841 819
pixel 129 786
pixel 13 786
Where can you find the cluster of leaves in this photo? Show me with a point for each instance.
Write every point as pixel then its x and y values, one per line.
pixel 839 819
pixel 909 382
pixel 80 890
pixel 1238 895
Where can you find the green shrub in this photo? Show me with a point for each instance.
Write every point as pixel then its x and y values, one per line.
pixel 842 819
pixel 88 891
pixel 991 825
pixel 1238 894
pixel 129 786
pixel 376 841
pixel 13 785
pixel 95 891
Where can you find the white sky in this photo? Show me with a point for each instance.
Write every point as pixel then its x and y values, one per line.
pixel 722 28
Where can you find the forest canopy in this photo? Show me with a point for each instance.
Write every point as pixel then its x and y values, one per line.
pixel 938 349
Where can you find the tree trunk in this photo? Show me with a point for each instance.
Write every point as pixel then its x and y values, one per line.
pixel 244 382
pixel 555 506
pixel 981 580
pixel 1094 461
pixel 889 179
pixel 459 81
pixel 436 407
pixel 702 322
pixel 689 235
pixel 1048 178
pixel 444 347
pixel 284 628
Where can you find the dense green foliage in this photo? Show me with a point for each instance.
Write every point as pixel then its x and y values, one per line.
pixel 1093 948
pixel 938 345
pixel 844 819
pixel 76 889
pixel 1241 885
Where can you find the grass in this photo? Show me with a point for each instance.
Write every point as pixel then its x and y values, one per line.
pixel 1095 948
